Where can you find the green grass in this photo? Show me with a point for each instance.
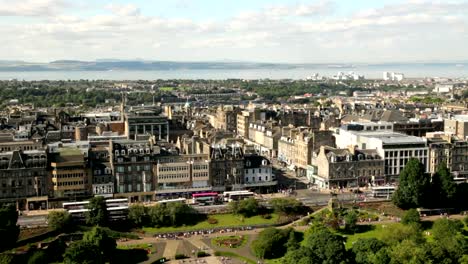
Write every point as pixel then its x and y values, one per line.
pixel 274 261
pixel 136 246
pixel 376 232
pixel 224 220
pixel 166 89
pixel 234 255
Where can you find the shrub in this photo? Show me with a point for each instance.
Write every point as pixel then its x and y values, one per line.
pixel 201 254
pixel 266 216
pixel 212 220
pixel 410 217
pixel 180 256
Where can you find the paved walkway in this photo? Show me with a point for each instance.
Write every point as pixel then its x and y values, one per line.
pixel 171 248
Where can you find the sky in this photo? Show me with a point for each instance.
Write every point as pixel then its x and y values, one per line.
pixel 283 31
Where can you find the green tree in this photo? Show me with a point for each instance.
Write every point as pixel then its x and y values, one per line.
pixel 443 187
pixel 364 248
pixel 398 233
pixel 39 257
pixel 9 230
pixel 59 220
pixel 351 219
pixel 138 214
pixel 287 206
pixel 247 207
pixel 326 246
pixel 158 215
pixel 293 242
pixel 6 258
pixel 99 237
pixel 97 214
pixel 408 251
pixel 82 253
pixel 301 255
pixel 414 186
pixel 271 243
pixel 411 217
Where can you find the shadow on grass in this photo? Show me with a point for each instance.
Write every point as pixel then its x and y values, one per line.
pixel 359 229
pixel 129 256
pixel 426 225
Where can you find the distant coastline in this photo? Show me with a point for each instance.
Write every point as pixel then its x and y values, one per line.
pixel 150 70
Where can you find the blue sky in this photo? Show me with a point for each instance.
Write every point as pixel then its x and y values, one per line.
pixel 313 31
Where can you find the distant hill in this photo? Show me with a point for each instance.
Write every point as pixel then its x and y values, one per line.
pixel 146 65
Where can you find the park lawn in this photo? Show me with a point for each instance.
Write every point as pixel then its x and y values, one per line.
pixel 135 246
pixel 224 220
pixel 166 89
pixel 376 232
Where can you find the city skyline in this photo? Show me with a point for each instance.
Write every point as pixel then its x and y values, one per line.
pixel 262 31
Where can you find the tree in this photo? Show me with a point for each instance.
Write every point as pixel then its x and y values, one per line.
pixel 99 237
pixel 97 214
pixel 398 233
pixel 300 256
pixel 443 187
pixel 351 219
pixel 6 258
pixel 247 207
pixel 411 217
pixel 363 248
pixel 39 257
pixel 138 214
pixel 59 220
pixel 158 215
pixel 447 234
pixel 82 252
pixel 414 186
pixel 327 247
pixel 293 242
pixel 9 230
pixel 408 251
pixel 287 206
pixel 271 243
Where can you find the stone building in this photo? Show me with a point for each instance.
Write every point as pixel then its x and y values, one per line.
pixel 344 168
pixel 70 175
pixel 23 174
pixel 181 175
pixel 445 148
pixel 131 162
pixel 227 168
pixel 145 122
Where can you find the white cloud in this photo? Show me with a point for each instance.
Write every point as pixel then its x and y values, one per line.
pixel 308 33
pixel 124 10
pixel 31 7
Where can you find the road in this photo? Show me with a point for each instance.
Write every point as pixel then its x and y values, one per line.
pixel 32 221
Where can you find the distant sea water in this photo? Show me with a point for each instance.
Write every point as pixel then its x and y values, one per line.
pixel 449 70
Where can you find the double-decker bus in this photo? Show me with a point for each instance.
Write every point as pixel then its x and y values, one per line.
pixel 383 191
pixel 237 195
pixel 205 198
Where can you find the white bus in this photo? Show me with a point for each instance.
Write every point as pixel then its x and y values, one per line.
pixel 237 195
pixel 116 208
pixel 178 200
pixel 383 191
